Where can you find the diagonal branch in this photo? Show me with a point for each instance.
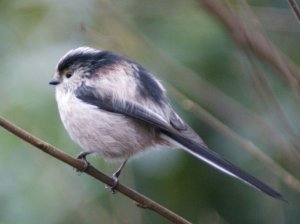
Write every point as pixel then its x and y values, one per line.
pixel 295 8
pixel 140 199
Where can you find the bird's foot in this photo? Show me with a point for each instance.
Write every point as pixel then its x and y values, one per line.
pixel 115 178
pixel 82 156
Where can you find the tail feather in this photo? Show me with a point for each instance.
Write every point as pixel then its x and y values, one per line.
pixel 205 154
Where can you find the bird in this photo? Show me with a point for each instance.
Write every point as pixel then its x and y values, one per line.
pixel 112 106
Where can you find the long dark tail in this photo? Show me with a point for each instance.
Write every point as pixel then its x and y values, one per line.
pixel 215 160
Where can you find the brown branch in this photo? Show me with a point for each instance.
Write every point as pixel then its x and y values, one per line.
pixel 140 199
pixel 295 8
pixel 255 41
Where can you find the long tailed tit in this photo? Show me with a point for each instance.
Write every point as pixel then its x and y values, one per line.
pixel 113 106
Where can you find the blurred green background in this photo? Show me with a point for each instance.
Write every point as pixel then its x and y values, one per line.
pixel 191 52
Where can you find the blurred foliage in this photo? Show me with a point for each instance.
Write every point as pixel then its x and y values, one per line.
pixel 188 49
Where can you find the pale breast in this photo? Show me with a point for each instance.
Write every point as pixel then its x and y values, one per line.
pixel 112 135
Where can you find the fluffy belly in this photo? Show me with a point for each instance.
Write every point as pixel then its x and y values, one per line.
pixel 110 134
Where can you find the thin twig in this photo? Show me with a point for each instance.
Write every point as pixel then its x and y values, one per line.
pixel 254 41
pixel 49 149
pixel 295 8
pixel 247 145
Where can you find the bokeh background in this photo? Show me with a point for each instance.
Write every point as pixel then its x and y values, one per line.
pixel 238 88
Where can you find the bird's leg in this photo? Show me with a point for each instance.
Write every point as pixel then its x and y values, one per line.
pixel 115 177
pixel 82 156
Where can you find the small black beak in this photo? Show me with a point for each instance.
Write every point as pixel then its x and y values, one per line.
pixel 54 82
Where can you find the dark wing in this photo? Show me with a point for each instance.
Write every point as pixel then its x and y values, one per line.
pixel 89 95
pixel 184 129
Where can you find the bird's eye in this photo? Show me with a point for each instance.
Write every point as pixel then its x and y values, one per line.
pixel 68 74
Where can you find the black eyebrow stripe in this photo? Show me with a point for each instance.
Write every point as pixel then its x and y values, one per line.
pixel 92 60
